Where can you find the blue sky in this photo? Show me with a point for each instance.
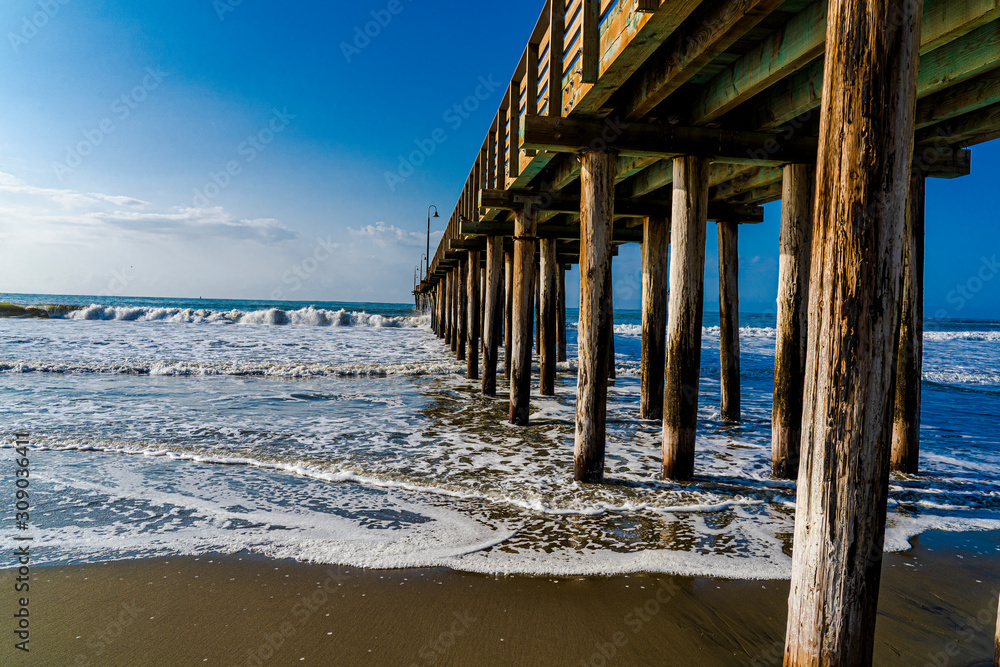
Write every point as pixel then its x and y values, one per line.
pixel 227 148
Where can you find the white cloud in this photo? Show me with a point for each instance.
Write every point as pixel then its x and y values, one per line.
pixel 384 236
pixel 197 223
pixel 27 211
pixel 66 198
pixel 64 241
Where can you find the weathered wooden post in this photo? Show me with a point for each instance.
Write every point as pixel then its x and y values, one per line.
pixel 996 643
pixel 547 316
pixel 442 301
pixel 682 372
pixel 863 170
pixel 432 305
pixel 436 308
pixel 612 371
pixel 508 344
pixel 482 303
pixel 909 375
pixel 797 202
pixel 452 309
pixel 538 308
pixel 729 318
pixel 491 328
pixel 431 309
pixel 474 312
pixel 597 200
pixel 462 322
pixel 655 258
pixel 456 288
pixel 525 223
pixel 561 321
pixel 444 307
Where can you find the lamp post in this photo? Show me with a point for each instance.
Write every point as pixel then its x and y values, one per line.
pixel 427 257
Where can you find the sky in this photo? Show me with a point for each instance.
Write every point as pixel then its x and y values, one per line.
pixel 252 149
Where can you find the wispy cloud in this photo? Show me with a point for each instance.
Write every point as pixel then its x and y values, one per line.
pixel 384 235
pixel 66 198
pixel 197 223
pixel 36 211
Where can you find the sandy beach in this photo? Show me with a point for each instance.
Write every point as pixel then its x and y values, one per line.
pixel 938 607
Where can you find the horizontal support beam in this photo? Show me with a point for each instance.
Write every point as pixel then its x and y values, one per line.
pixel 955 130
pixel 465 244
pixel 942 162
pixel 800 41
pixel 561 232
pixel 941 69
pixel 571 135
pixel 633 208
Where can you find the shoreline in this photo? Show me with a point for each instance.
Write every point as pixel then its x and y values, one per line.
pixel 937 607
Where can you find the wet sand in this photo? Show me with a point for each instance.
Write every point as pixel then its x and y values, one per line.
pixel 938 607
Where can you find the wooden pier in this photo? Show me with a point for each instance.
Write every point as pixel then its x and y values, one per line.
pixel 639 121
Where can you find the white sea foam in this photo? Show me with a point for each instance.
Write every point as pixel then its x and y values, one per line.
pixel 198 510
pixel 748 332
pixel 274 437
pixel 237 369
pixel 120 510
pixel 986 336
pixel 305 317
pixel 963 378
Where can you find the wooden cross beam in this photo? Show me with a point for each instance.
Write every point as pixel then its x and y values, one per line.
pixel 561 232
pixel 466 244
pixel 570 135
pixel 632 208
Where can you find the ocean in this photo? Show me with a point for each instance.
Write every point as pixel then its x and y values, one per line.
pixel 346 433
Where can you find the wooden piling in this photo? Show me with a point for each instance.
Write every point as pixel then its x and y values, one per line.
pixel 525 223
pixel 729 318
pixel 682 371
pixel 452 310
pixel 561 315
pixel 612 371
pixel 443 308
pixel 508 344
pixel 597 173
pixel 432 310
pixel 436 309
pixel 456 308
pixel 863 170
pixel 909 373
pixel 473 315
pixel 538 308
pixel 797 201
pixel 443 321
pixel 461 323
pixel 492 311
pixel 548 282
pixel 655 262
pixel 996 643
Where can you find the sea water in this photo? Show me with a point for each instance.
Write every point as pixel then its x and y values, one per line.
pixel 347 433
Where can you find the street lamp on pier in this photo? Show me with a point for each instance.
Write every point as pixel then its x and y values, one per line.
pixel 427 257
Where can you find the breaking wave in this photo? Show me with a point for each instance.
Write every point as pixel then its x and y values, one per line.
pixel 303 317
pixel 236 369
